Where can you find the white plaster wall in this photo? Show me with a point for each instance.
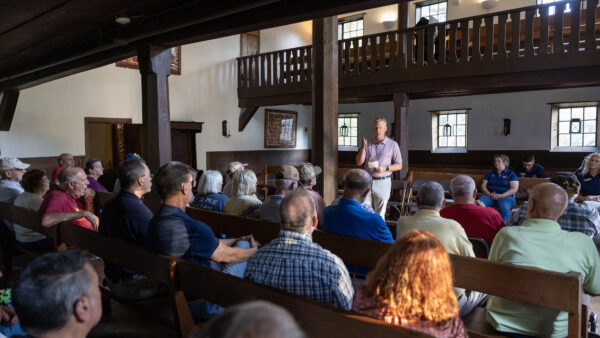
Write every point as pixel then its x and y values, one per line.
pixel 529 113
pixel 375 16
pixel 284 37
pixel 49 118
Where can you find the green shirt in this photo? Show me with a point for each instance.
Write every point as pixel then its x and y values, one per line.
pixel 542 244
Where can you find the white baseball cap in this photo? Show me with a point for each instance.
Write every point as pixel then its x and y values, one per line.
pixel 9 163
pixel 235 166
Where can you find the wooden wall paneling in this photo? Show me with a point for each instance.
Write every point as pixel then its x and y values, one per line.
pixel 8 105
pixel 49 163
pixel 325 103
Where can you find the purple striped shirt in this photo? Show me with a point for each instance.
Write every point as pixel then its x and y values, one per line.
pixel 387 152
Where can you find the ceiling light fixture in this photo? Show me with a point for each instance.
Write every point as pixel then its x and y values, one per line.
pixel 488 4
pixel 122 20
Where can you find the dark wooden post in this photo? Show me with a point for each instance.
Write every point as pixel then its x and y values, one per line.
pixel 325 103
pixel 401 131
pixel 8 105
pixel 155 65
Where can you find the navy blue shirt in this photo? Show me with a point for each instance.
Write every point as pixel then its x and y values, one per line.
pixel 536 171
pixel 124 217
pixel 172 232
pixel 213 202
pixel 348 217
pixel 500 183
pixel 590 185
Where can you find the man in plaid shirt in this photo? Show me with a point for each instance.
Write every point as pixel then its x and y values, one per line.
pixel 577 217
pixel 294 263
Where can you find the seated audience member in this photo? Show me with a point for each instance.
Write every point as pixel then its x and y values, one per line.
pixel 62 204
pixel 430 200
pixel 499 187
pixel 590 180
pixel 294 263
pixel 129 156
pixel 308 179
pixel 172 232
pixel 256 319
pixel 36 184
pixel 126 217
pixel 9 321
pixel 244 202
pixel 541 243
pixel 65 160
pixel 286 180
pixel 529 168
pixel 57 295
pixel 476 219
pixel 94 169
pixel 577 217
pixel 347 217
pixel 232 168
pixel 12 171
pixel 209 193
pixel 411 286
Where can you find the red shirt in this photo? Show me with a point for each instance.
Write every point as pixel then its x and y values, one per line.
pixel 56 172
pixel 59 201
pixel 477 221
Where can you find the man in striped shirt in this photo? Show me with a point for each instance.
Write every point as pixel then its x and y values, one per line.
pixel 577 217
pixel 294 263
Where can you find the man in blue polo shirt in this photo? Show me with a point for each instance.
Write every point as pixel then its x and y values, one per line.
pixel 126 217
pixel 172 232
pixel 529 168
pixel 348 217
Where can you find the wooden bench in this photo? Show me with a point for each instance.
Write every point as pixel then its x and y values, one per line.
pixel 559 291
pixel 316 319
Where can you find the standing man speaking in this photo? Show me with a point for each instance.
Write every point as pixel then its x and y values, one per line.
pixel 380 157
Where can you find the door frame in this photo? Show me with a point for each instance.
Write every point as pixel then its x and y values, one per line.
pixel 89 120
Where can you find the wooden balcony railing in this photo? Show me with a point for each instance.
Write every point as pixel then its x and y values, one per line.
pixel 523 39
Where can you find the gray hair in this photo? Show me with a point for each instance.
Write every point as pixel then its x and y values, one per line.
pixel 380 119
pixel 130 171
pixel 48 288
pixel 296 210
pixel 259 319
pixel 431 194
pixel 244 183
pixel 462 185
pixel 357 179
pixel 67 175
pixel 209 182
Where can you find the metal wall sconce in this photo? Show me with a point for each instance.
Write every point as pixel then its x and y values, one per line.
pixel 344 130
pixel 224 130
pixel 506 127
pixel 447 130
pixel 575 127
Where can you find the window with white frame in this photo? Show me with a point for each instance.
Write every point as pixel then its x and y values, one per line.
pixel 552 9
pixel 575 125
pixel 351 27
pixel 449 130
pixel 432 9
pixel 348 131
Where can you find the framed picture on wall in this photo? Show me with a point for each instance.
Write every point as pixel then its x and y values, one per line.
pixel 132 62
pixel 280 128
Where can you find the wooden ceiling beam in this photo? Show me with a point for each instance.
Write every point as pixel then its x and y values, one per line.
pixel 8 105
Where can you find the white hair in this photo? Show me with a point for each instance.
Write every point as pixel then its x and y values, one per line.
pixel 209 182
pixel 244 183
pixel 462 185
pixel 432 194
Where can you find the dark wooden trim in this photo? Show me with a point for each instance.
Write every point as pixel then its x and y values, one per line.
pixel 8 105
pixel 192 126
pixel 86 127
pixel 401 102
pixel 245 117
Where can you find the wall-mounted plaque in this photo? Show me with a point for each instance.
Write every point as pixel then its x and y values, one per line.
pixel 280 128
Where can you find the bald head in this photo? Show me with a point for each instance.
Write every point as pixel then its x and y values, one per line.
pixel 548 201
pixel 298 212
pixel 357 183
pixel 65 160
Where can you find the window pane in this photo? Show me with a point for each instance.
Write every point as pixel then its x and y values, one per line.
pixel 452 142
pixel 441 131
pixel 353 122
pixel 433 9
pixel 577 113
pixel 354 141
pixel 443 141
pixel 340 141
pixel 353 25
pixel 460 141
pixel 443 119
pixel 359 25
pixel 589 126
pixel 452 119
pixel 418 13
pixel 576 140
pixel 590 113
pixel 564 140
pixel 564 114
pixel 589 140
pixel 442 18
pixel 346 26
pixel 352 131
pixel 443 8
pixel 563 127
pixel 340 37
pixel 460 118
pixel 425 11
pixel 460 130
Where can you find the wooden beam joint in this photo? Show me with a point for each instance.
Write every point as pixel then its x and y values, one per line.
pixel 245 117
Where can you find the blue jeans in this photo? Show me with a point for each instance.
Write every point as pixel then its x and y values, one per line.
pixel 504 204
pixel 203 310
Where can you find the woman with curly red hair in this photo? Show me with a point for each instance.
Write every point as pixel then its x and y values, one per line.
pixel 411 286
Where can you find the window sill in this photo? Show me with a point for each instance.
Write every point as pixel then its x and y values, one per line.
pixel 575 149
pixel 347 148
pixel 455 150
